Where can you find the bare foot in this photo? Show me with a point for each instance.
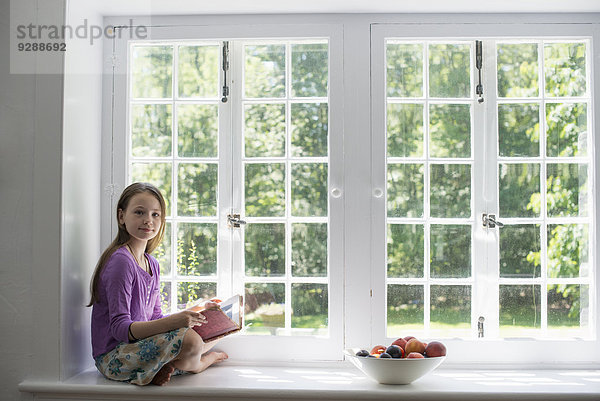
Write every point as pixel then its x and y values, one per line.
pixel 211 358
pixel 164 375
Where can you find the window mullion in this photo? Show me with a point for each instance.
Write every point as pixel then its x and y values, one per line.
pixel 234 151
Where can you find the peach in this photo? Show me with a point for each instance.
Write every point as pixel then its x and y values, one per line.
pixel 435 349
pixel 414 345
pixel 378 349
pixel 401 342
pixel 408 338
pixel 415 355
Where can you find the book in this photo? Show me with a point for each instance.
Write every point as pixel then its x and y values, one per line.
pixel 221 320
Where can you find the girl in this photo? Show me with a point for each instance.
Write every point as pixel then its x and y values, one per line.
pixel 131 339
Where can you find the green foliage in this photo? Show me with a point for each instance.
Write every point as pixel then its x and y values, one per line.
pixel 405 247
pixel 310 127
pixel 310 69
pixel 449 70
pixel 404 70
pixel 405 190
pixel 264 133
pixel 564 65
pixel 309 249
pixel 404 130
pixel 198 130
pixel 265 189
pixel 450 190
pixel 450 250
pixel 264 249
pixel 517 69
pixel 450 130
pixel 264 71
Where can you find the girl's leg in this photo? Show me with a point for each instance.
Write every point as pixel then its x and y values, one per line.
pixel 193 357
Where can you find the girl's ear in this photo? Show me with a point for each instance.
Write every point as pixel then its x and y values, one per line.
pixel 120 216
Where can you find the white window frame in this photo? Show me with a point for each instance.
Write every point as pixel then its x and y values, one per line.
pixel 253 347
pixel 359 181
pixel 485 351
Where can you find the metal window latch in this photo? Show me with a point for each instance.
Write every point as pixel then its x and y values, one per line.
pixel 234 221
pixel 479 65
pixel 489 221
pixel 480 326
pixel 225 67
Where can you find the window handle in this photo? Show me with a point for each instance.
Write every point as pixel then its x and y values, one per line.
pixel 234 221
pixel 489 221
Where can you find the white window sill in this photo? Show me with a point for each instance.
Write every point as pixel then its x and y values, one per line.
pixel 331 381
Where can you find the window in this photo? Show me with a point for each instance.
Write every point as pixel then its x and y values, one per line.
pixel 267 141
pixel 236 134
pixel 488 207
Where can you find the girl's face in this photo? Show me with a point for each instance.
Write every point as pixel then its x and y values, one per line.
pixel 142 217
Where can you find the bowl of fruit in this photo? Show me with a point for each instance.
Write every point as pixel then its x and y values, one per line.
pixel 402 362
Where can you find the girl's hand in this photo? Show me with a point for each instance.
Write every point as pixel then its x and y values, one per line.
pixel 188 318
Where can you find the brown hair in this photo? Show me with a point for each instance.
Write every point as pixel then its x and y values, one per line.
pixel 123 236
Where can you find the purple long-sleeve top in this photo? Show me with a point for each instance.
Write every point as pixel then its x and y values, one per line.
pixel 127 294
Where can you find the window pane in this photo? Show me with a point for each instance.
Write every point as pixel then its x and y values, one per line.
pixel 450 130
pixel 163 252
pixel 310 70
pixel 264 130
pixel 450 251
pixel 404 130
pixel 567 190
pixel 404 70
pixel 309 307
pixel 519 130
pixel 518 70
pixel 450 70
pixel 158 174
pixel 264 71
pixel 197 184
pixel 405 250
pixel 405 190
pixel 198 126
pixel 520 250
pixel 265 249
pixel 450 193
pixel 152 71
pixel 309 189
pixel 309 249
pixel 405 309
pixel 566 129
pixel 568 307
pixel 450 308
pixel 151 130
pixel 519 186
pixel 265 189
pixel 165 296
pixel 198 74
pixel 520 309
pixel 564 67
pixel 309 126
pixel 568 253
pixel 190 292
pixel 197 249
pixel 264 307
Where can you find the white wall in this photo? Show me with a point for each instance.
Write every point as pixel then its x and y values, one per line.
pixel 81 191
pixel 30 184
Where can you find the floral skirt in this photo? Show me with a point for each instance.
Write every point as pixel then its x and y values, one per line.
pixel 139 362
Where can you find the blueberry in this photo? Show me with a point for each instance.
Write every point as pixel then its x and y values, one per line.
pixel 362 352
pixel 385 355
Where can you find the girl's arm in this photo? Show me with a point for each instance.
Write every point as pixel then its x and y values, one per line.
pixel 186 318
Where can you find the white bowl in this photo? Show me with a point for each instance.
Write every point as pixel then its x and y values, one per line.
pixel 393 371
